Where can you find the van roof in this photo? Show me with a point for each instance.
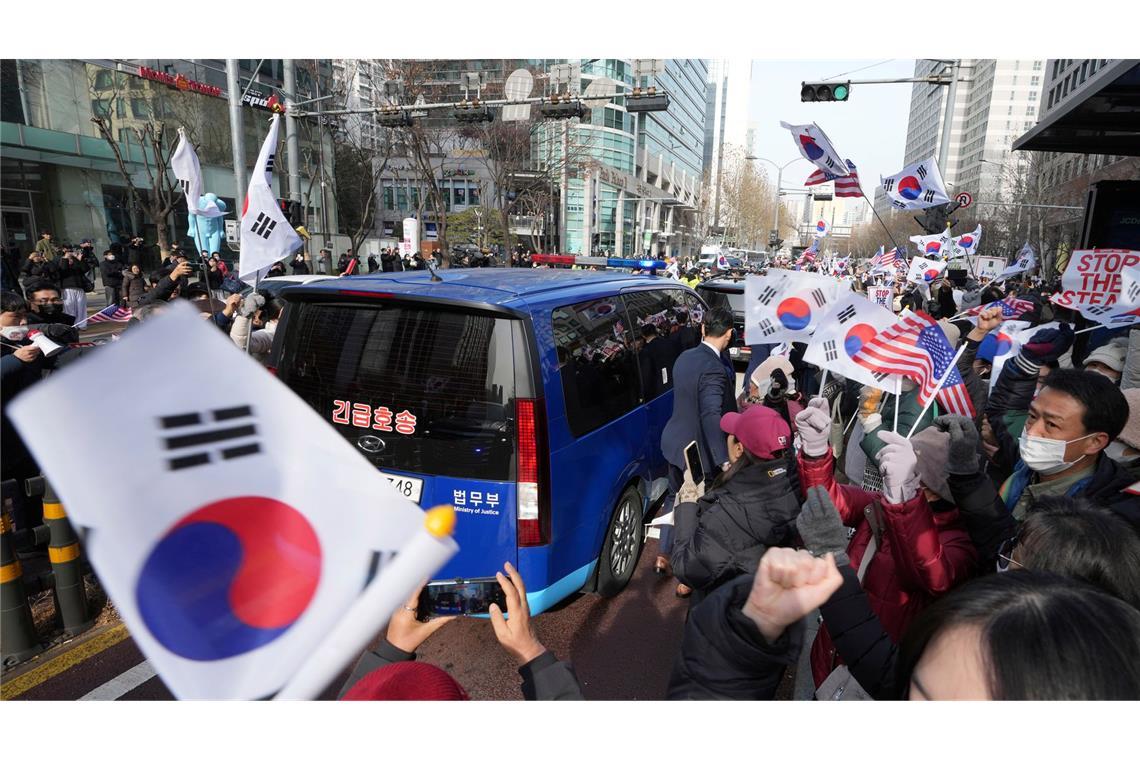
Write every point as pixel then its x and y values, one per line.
pixel 498 286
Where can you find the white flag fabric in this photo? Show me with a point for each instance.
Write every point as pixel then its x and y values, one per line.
pixel 933 246
pixel 1026 262
pixel 917 186
pixel 184 164
pixel 785 306
pixel 821 229
pixel 849 324
pixel 1011 336
pixel 266 235
pixel 1125 311
pixel 924 271
pixel 228 562
pixel 815 147
pixel 722 262
pixel 965 245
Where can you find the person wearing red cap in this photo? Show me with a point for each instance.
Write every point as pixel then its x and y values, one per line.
pixel 750 507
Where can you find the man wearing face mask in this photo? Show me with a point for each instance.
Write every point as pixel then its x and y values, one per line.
pixel 1071 422
pixel 21 366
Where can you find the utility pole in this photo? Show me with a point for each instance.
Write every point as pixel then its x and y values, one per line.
pixel 237 133
pixel 565 188
pixel 944 146
pixel 292 145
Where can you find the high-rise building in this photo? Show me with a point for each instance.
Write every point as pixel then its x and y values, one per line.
pixel 726 113
pixel 1073 92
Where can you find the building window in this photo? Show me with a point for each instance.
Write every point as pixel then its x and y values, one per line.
pixel 1033 95
pixel 1037 65
pixel 389 198
pixel 139 108
pixel 1084 71
pixel 401 198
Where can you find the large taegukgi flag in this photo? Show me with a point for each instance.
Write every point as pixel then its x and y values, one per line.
pixel 852 322
pixel 266 235
pixel 815 147
pixel 918 185
pixel 222 556
pixel 787 306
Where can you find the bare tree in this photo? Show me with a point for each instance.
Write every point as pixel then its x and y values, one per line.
pixel 157 147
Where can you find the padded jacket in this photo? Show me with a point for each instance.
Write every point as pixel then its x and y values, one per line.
pixel 922 553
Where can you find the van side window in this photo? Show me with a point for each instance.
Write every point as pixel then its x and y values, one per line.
pixel 658 334
pixel 691 307
pixel 597 363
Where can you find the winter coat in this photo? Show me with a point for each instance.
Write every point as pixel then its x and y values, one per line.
pixel 112 271
pixel 545 678
pixel 1104 487
pixel 48 249
pixel 726 532
pixel 134 287
pixel 1013 392
pixel 38 270
pixel 724 655
pixel 976 387
pixel 922 553
pixel 71 273
pixel 15 377
pixel 260 341
pixel 299 266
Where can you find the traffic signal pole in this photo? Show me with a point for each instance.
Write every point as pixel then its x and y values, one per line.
pixel 948 122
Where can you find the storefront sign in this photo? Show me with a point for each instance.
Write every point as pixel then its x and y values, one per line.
pixel 179 81
pixel 258 99
pixel 459 172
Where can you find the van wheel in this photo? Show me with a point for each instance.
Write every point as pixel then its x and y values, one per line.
pixel 622 546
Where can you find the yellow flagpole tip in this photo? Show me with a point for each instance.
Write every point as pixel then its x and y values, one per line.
pixel 440 521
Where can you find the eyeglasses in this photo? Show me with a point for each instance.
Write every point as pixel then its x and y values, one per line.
pixel 1005 555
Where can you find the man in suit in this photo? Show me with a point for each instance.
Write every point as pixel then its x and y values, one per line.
pixel 704 382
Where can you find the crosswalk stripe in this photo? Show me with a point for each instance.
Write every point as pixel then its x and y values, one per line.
pixel 122 683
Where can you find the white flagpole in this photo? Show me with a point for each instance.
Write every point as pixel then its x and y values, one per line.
pixel 898 399
pixel 822 381
pixel 941 382
pixel 427 551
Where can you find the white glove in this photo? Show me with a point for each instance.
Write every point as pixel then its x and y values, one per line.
pixel 872 421
pixel 814 426
pixel 251 304
pixel 897 463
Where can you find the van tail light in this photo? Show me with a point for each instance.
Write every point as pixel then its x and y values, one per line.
pixel 533 499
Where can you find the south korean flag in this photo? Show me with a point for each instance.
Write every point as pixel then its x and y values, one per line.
pixel 223 557
pixel 786 306
pixel 266 236
pixel 184 164
pixel 851 322
pixel 916 186
pixel 814 145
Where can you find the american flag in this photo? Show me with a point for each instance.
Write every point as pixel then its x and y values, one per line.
pixel 1012 307
pixel 113 313
pixel 845 187
pixel 808 256
pixel 917 348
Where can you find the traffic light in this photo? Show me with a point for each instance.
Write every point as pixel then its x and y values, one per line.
pixel 565 109
pixel 291 210
pixel 468 113
pixel 393 117
pixel 820 92
pixel 647 99
pixel 936 217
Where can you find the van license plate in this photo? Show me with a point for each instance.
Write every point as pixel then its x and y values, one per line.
pixel 409 487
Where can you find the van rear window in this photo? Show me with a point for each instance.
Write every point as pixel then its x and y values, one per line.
pixel 436 386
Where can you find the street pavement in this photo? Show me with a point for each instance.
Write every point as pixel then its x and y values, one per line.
pixel 621 648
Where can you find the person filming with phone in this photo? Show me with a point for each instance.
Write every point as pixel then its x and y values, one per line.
pixel 390 672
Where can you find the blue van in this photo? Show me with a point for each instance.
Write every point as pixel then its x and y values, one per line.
pixel 532 400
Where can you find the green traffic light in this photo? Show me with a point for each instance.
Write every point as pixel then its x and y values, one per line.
pixel 841 92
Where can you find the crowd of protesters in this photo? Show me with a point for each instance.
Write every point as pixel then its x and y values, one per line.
pixel 993 557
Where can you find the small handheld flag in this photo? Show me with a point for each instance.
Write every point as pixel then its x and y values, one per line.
pixel 813 145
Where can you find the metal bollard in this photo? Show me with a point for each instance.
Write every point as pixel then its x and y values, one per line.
pixel 18 640
pixel 63 551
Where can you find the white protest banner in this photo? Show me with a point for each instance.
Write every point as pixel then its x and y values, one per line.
pixel 850 323
pixel 787 306
pixel 410 245
pixel 1092 277
pixel 881 295
pixel 222 556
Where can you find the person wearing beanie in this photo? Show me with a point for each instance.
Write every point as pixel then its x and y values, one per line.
pixel 910 546
pixel 389 671
pixel 749 507
pixel 1108 359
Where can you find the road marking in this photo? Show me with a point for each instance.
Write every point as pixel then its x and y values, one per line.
pixel 122 683
pixel 53 667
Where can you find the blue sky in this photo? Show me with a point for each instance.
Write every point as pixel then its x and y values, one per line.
pixel 868 129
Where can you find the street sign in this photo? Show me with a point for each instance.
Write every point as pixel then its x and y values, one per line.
pixel 773 236
pixel 233 233
pixel 964 199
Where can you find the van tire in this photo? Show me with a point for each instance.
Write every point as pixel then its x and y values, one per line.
pixel 622 547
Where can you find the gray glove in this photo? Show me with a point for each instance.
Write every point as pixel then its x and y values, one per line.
pixel 820 527
pixel 814 426
pixel 963 457
pixel 251 304
pixel 897 464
